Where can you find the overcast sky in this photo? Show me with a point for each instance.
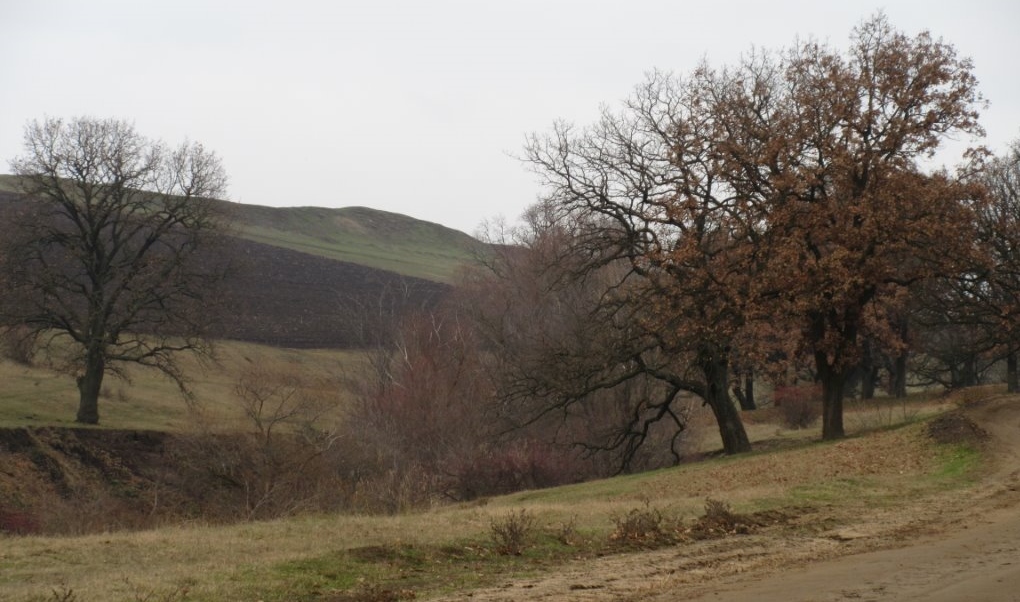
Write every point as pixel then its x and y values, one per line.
pixel 414 106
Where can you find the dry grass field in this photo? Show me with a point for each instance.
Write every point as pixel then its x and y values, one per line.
pixel 145 400
pixel 620 538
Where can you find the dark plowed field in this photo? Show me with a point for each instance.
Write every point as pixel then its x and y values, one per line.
pixel 292 299
pixel 286 298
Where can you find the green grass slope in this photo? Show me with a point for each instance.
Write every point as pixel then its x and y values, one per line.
pixel 8 183
pixel 369 237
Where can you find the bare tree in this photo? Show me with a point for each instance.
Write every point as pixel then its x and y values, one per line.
pixel 643 189
pixel 104 263
pixel 573 340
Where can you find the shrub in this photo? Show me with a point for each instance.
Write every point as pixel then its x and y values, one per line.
pixel 62 594
pixel 513 466
pixel 645 527
pixel 16 522
pixel 720 520
pixel 567 533
pixel 798 405
pixel 719 512
pixel 18 345
pixel 512 533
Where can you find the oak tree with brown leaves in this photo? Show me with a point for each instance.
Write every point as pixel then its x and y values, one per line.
pixel 781 202
pixel 825 147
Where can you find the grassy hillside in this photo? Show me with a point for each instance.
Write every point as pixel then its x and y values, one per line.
pixel 303 276
pixel 377 239
pixel 36 396
pixel 7 183
pixel 359 235
pixel 812 500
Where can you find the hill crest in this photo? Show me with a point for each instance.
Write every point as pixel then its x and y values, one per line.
pixel 357 234
pixel 371 237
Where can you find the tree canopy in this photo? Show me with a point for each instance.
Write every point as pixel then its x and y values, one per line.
pixel 778 207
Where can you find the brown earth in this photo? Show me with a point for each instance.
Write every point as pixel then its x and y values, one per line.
pixel 76 481
pixel 957 546
pixel 287 298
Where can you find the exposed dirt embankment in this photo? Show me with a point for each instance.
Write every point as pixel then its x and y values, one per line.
pixel 78 480
pixel 70 479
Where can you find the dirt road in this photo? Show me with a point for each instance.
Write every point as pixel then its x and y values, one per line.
pixel 964 546
pixel 975 557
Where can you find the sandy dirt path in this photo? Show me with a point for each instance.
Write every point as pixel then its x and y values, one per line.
pixel 975 556
pixel 963 546
pixel 980 564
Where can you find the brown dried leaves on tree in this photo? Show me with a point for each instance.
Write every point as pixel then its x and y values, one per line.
pixel 778 208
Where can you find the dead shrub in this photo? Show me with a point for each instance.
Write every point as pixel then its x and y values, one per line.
pixel 642 527
pixel 513 533
pixel 798 406
pixel 61 593
pixel 720 520
pixel 567 534
pixel 281 463
pixel 392 491
pixel 18 522
pixel 513 466
pixel 143 593
pixel 17 344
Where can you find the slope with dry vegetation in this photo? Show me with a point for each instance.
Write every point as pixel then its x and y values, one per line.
pixel 622 538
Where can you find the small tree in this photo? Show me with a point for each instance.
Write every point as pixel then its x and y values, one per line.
pixel 105 255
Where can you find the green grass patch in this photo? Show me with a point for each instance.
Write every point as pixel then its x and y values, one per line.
pixel 413 570
pixel 957 465
pixel 8 183
pixel 146 400
pixel 377 239
pixel 827 492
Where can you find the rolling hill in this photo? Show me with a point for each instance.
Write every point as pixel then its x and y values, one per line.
pixel 369 237
pixel 306 272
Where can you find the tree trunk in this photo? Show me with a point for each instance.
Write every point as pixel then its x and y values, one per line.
pixel 89 384
pixel 833 380
pixel 745 395
pixel 868 373
pixel 868 383
pixel 832 372
pixel 731 428
pixel 898 378
pixel 1012 378
pixel 966 375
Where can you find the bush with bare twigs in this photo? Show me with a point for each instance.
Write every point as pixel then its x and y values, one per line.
pixel 799 406
pixel 512 534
